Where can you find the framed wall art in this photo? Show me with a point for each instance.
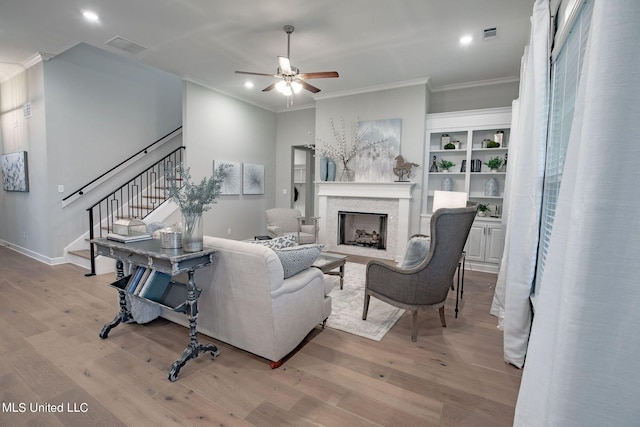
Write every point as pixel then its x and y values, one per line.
pixel 252 178
pixel 232 178
pixel 376 163
pixel 15 172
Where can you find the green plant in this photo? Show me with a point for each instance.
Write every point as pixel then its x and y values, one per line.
pixel 483 207
pixel 446 164
pixel 450 146
pixel 495 162
pixel 191 198
pixel 493 144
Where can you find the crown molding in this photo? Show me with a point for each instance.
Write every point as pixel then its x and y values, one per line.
pixel 479 83
pixel 10 70
pixel 369 89
pixel 193 80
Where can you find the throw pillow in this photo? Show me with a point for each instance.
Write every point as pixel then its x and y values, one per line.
pixel 417 250
pixel 297 258
pixel 285 241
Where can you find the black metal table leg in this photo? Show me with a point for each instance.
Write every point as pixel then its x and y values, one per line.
pixel 458 289
pixel 124 315
pixel 194 347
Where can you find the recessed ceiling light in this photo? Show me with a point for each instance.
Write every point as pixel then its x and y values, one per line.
pixel 90 16
pixel 465 40
pixel 248 84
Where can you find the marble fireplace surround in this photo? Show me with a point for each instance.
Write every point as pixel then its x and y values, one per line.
pixel 391 198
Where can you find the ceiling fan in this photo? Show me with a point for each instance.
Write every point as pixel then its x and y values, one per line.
pixel 291 79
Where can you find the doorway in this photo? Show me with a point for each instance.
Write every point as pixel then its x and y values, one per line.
pixel 302 175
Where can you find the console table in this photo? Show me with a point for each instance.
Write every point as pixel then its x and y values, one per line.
pixel 184 297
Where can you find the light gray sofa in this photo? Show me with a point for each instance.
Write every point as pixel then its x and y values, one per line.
pixel 246 302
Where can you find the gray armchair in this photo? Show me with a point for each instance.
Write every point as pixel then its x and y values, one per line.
pixel 282 221
pixel 427 284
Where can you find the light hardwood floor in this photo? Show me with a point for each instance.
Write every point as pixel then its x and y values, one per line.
pixel 51 355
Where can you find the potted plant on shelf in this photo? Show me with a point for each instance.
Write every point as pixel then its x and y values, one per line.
pixel 445 165
pixel 193 199
pixel 483 208
pixel 494 163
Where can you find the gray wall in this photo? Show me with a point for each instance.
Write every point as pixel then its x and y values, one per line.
pixel 218 127
pixel 473 98
pixel 294 128
pixel 22 222
pixel 91 110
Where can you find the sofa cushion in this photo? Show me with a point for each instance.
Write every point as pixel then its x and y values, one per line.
pixel 294 259
pixel 285 241
pixel 417 250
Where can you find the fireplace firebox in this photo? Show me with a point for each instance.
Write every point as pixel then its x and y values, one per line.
pixel 362 229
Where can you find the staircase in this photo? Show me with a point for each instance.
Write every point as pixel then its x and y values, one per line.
pixel 139 198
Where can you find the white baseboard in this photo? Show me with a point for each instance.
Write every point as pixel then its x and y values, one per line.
pixel 32 254
pixel 482 266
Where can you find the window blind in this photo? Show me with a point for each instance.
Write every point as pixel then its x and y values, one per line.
pixel 565 78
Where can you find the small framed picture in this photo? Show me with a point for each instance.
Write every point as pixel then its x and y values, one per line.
pixel 15 172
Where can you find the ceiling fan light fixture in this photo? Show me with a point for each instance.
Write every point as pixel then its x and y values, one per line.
pixel 284 88
pixel 296 86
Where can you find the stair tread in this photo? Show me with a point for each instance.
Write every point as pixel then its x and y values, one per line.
pixel 83 253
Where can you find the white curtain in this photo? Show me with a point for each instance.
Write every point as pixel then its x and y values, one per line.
pixel 584 350
pixel 523 191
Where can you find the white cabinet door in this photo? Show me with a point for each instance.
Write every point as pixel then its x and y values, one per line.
pixel 495 243
pixel 475 243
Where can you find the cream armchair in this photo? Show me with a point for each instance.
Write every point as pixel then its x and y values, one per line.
pixel 282 221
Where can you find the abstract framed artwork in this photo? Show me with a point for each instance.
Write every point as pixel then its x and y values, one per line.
pixel 15 172
pixel 376 164
pixel 252 178
pixel 232 177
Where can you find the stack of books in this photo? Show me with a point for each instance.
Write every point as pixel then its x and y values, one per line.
pixel 128 239
pixel 148 283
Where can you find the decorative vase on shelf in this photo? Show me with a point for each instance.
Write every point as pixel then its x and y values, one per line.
pixel 446 184
pixel 324 162
pixel 491 187
pixel 192 235
pixel 347 173
pixel 331 170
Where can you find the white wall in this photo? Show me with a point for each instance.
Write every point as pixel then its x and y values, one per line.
pixel 218 127
pixel 407 103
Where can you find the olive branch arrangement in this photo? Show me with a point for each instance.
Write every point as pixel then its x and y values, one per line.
pixel 343 152
pixel 192 198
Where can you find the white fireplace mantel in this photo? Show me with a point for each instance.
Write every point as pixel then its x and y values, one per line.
pixel 395 197
pixel 378 190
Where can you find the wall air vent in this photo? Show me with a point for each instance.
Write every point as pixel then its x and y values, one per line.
pixel 489 33
pixel 124 44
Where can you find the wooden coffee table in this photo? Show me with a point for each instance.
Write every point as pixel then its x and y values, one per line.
pixel 328 262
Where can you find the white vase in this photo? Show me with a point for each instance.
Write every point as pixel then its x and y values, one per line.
pixel 446 184
pixel 491 187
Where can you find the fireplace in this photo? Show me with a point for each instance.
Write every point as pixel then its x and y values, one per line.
pixel 362 229
pixel 392 199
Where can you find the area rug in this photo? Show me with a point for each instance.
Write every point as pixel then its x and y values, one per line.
pixel 347 304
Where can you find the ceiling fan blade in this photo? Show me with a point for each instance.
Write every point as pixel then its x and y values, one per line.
pixel 319 75
pixel 256 74
pixel 308 87
pixel 285 65
pixel 270 87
